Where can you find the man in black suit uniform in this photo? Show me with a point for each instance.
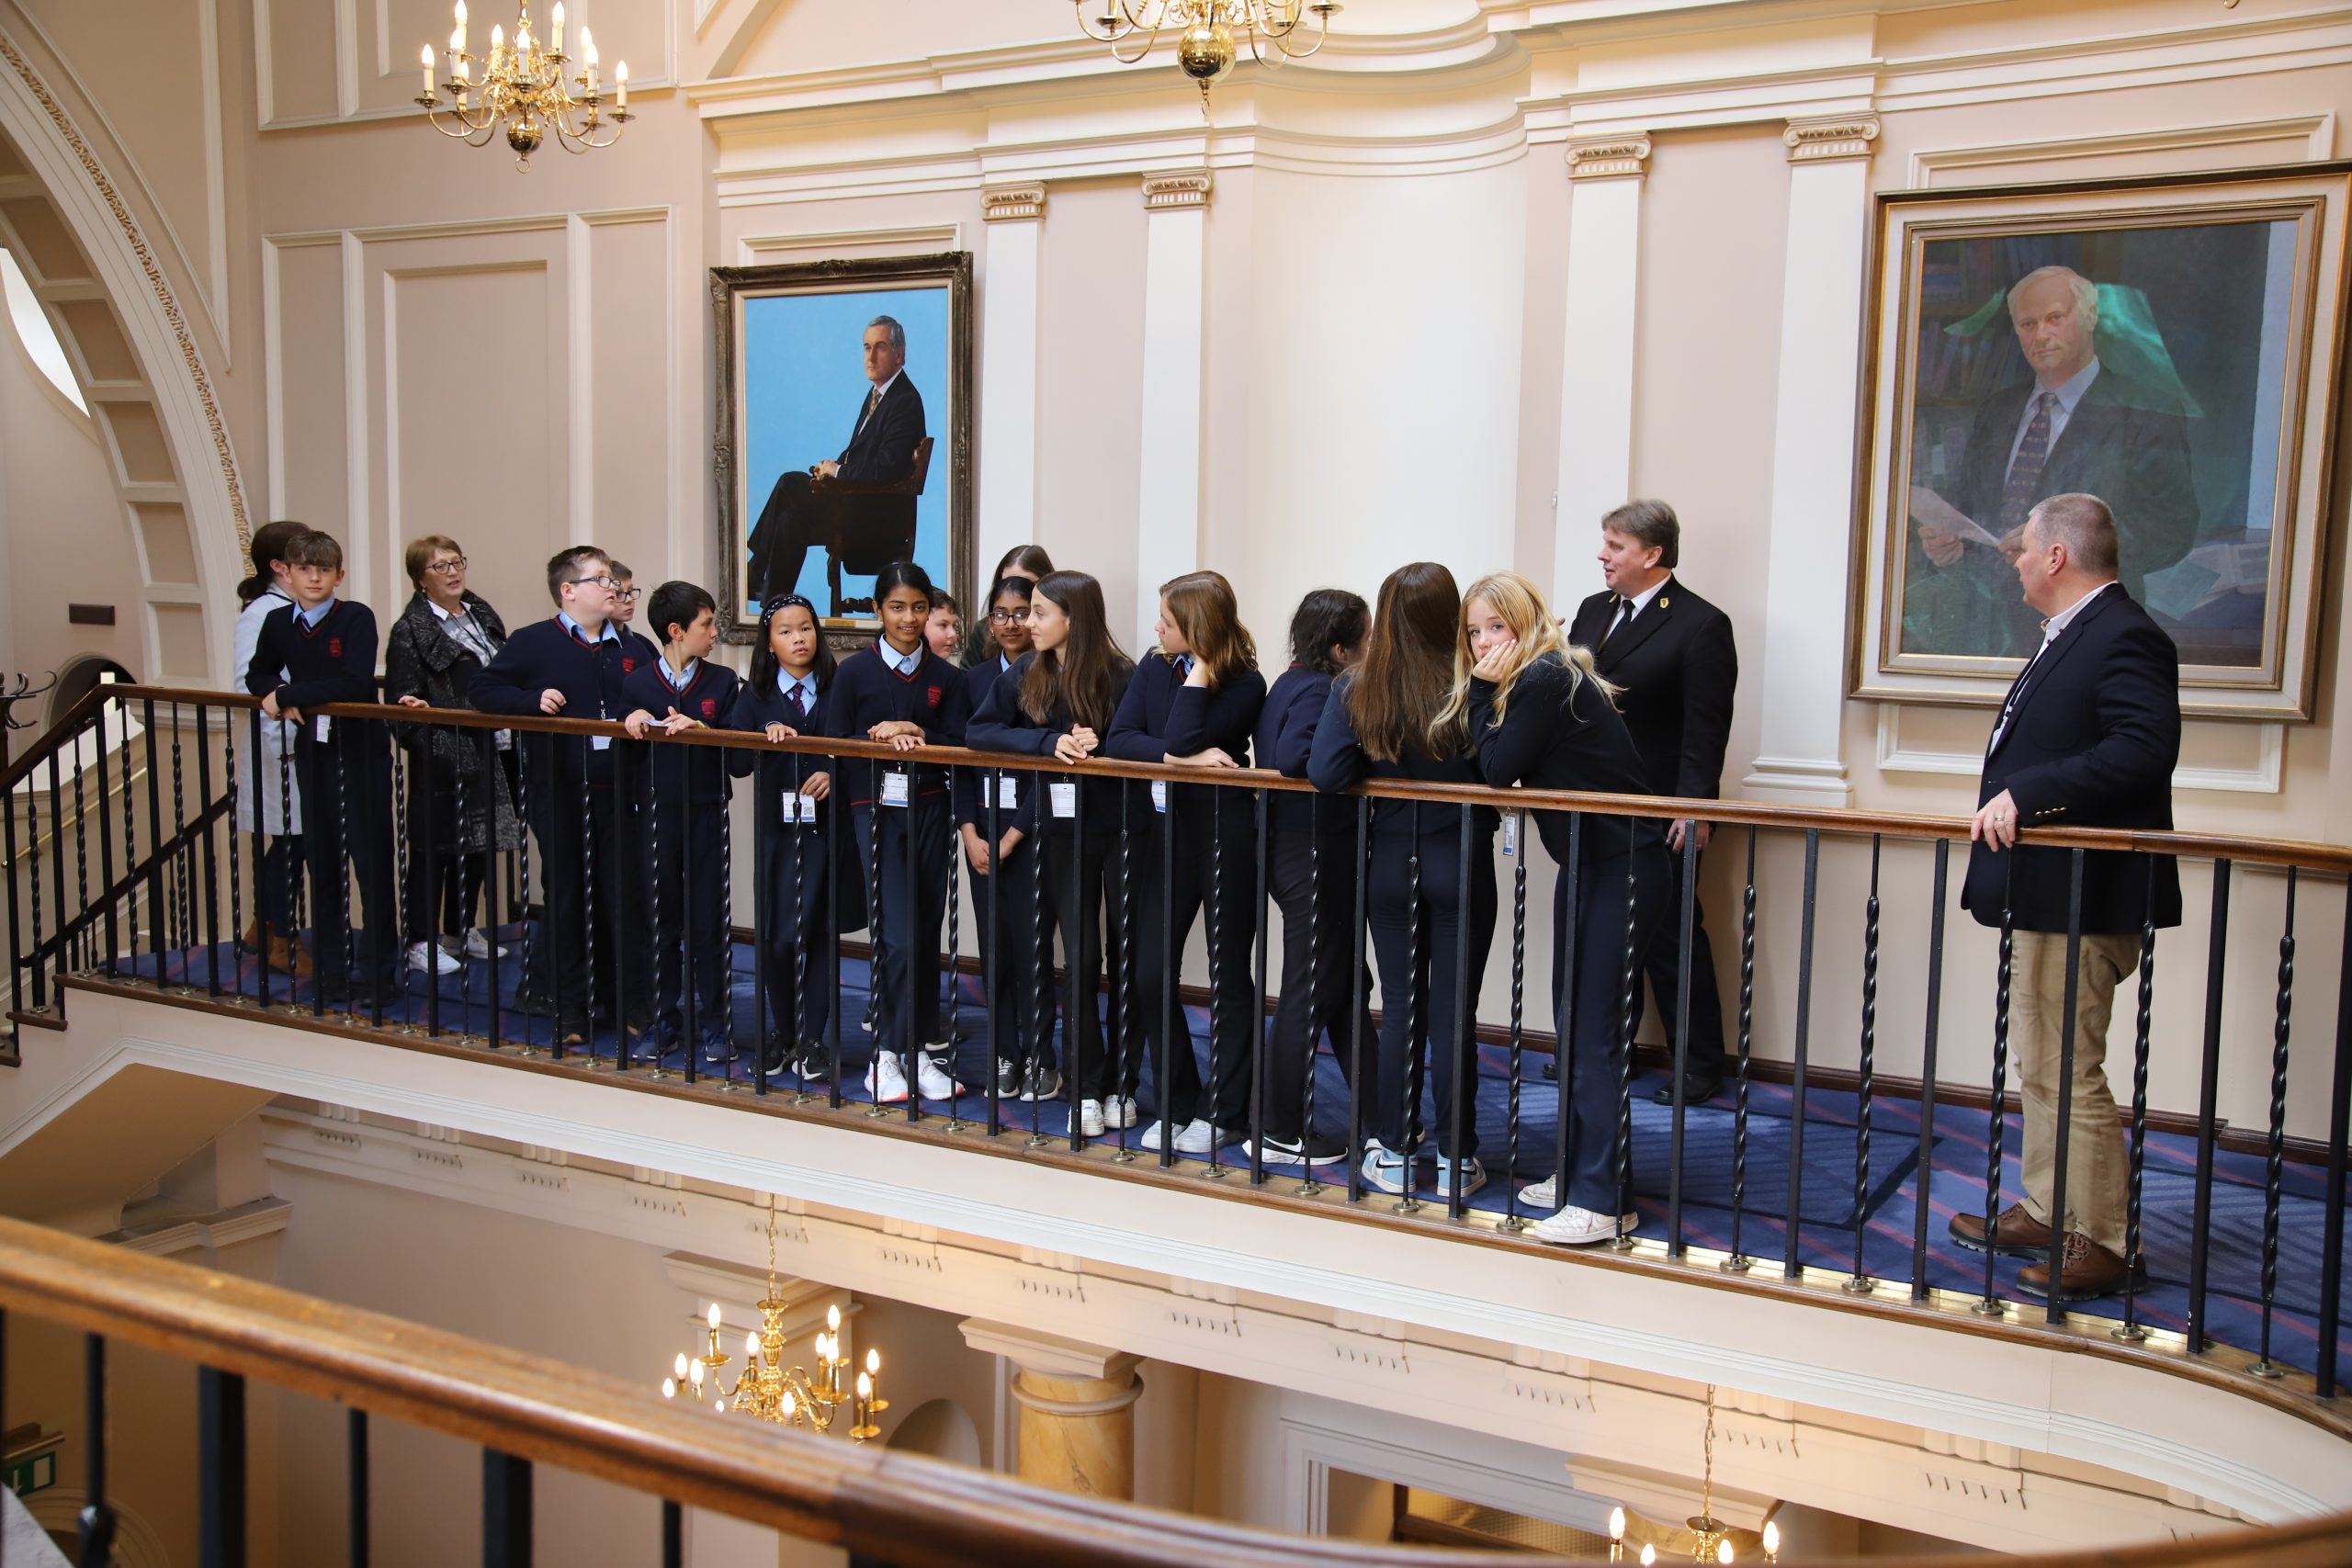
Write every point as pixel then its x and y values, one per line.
pixel 1672 653
pixel 2088 738
pixel 881 450
pixel 2076 427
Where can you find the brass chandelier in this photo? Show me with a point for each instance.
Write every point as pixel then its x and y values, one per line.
pixel 1207 47
pixel 1704 1538
pixel 766 1387
pixel 525 89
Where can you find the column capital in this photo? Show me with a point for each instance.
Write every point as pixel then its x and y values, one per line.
pixel 1170 192
pixel 1837 136
pixel 1049 1355
pixel 1013 203
pixel 1608 157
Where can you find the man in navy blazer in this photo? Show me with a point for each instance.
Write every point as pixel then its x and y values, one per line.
pixel 1673 654
pixel 881 450
pixel 2087 737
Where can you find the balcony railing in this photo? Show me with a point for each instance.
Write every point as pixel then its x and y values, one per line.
pixel 1828 1181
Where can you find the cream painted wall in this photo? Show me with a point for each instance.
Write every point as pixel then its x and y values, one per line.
pixel 413 335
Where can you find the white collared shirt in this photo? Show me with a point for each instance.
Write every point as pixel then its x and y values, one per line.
pixel 1627 609
pixel 2049 630
pixel 679 679
pixel 2068 392
pixel 906 663
pixel 612 632
pixel 314 614
pixel 806 687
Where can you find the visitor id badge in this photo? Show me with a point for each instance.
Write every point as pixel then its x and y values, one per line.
pixel 1511 835
pixel 799 808
pixel 325 722
pixel 894 788
pixel 1159 796
pixel 1008 792
pixel 600 743
pixel 1064 796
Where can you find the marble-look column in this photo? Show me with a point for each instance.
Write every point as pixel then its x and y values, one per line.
pixel 1168 510
pixel 1077 1425
pixel 1800 757
pixel 1596 471
pixel 1010 297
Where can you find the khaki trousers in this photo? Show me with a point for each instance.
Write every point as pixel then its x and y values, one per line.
pixel 2096 1159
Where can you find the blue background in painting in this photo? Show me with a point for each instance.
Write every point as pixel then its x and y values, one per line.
pixel 804 381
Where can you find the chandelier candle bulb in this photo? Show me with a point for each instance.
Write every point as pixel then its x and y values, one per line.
pixel 458 37
pixel 620 85
pixel 669 1388
pixel 682 1364
pixel 555 39
pixel 713 1315
pixel 1771 1541
pixel 424 60
pixel 1723 1553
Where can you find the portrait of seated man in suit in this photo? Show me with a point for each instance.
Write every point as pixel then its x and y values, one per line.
pixel 2078 424
pixel 809 509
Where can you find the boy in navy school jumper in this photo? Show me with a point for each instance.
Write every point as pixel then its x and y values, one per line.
pixel 636 645
pixel 1172 713
pixel 683 690
pixel 571 666
pixel 792 675
pixel 897 690
pixel 326 647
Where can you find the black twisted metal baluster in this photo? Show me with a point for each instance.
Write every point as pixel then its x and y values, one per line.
pixel 82 850
pixel 38 980
pixel 1041 992
pixel 523 896
pixel 693 1047
pixel 236 880
pixel 2339 1132
pixel 183 905
pixel 1738 1262
pixel 1629 981
pixel 874 942
pixel 954 1020
pixel 2208 1083
pixel 1997 1115
pixel 1511 1220
pixel 348 947
pixel 725 872
pixel 98 1517
pixel 2274 1150
pixel 1930 1038
pixel 1356 1018
pixel 210 873
pixel 1256 1066
pixel 1792 1261
pixel 57 870
pixel 159 902
pixel 588 932
pixel 1215 913
pixel 1130 1018
pixel 1861 1283
pixel 466 892
pixel 2130 1329
pixel 404 859
pixel 1308 1185
pixel 1415 1050
pixel 129 847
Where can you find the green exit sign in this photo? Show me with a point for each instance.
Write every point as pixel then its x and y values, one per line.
pixel 33 1464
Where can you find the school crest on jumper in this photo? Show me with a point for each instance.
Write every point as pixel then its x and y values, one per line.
pixel 629 666
pixel 710 707
pixel 335 647
pixel 934 696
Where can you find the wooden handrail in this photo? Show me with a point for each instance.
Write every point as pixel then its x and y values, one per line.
pixel 907 1509
pixel 2333 859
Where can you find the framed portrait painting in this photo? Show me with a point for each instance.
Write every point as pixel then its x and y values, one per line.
pixel 2170 346
pixel 844 437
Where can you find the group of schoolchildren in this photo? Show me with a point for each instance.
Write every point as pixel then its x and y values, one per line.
pixel 1430 686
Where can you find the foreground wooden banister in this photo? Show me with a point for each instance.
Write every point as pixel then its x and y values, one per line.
pixel 906 1508
pixel 2330 859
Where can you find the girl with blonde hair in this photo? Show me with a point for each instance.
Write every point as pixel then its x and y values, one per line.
pixel 1540 716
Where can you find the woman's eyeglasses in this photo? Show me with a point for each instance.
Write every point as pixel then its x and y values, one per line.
pixel 448 567
pixel 1005 618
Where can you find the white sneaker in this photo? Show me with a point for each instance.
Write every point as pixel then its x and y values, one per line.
pixel 1573 1226
pixel 933 1079
pixel 1544 1194
pixel 1194 1137
pixel 1089 1118
pixel 1119 1111
pixel 1383 1168
pixel 478 944
pixel 885 1081
pixel 426 957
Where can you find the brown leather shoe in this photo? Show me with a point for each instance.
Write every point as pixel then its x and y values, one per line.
pixel 2088 1272
pixel 2015 1234
pixel 286 957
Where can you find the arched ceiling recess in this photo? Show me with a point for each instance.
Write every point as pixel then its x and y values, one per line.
pixel 77 235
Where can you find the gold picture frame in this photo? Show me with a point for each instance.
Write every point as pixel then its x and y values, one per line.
pixel 2189 331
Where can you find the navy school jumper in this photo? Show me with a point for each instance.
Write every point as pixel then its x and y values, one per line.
pixel 1553 736
pixel 1008 888
pixel 345 778
pixel 1418 906
pixel 806 869
pixel 679 823
pixel 906 976
pixel 1215 833
pixel 1086 846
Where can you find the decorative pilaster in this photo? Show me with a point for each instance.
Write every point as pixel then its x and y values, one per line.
pixel 1010 306
pixel 1800 757
pixel 1596 462
pixel 1168 510
pixel 1077 1428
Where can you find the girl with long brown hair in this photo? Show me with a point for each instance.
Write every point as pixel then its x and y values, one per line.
pixel 1539 715
pixel 1195 703
pixel 1393 718
pixel 1056 701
